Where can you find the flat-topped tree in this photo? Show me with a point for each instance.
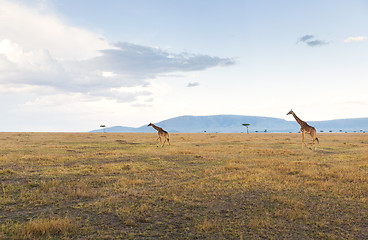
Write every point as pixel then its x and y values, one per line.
pixel 103 127
pixel 246 125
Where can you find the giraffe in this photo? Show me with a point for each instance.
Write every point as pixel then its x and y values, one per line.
pixel 305 128
pixel 161 133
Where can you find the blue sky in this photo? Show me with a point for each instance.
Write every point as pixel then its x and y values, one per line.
pixel 74 65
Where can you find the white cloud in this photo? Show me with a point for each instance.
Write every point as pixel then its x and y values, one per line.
pixel 32 29
pixel 37 49
pixel 355 39
pixel 52 73
pixel 108 74
pixel 31 62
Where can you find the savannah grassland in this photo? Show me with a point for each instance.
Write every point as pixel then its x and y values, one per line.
pixel 203 186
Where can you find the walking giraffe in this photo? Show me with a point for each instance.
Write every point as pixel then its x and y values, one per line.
pixel 305 128
pixel 161 133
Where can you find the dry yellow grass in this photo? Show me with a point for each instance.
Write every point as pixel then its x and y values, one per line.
pixel 42 227
pixel 206 186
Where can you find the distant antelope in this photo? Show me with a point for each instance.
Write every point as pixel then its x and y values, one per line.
pixel 305 128
pixel 161 133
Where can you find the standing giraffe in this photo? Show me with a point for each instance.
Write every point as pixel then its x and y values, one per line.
pixel 305 128
pixel 161 133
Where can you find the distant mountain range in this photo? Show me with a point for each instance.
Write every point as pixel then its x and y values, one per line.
pixel 233 124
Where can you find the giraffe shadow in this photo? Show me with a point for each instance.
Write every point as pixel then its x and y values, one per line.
pixel 326 151
pixel 125 142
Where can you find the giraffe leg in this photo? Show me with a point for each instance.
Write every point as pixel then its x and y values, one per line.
pixel 303 135
pixel 167 138
pixel 164 142
pixel 314 140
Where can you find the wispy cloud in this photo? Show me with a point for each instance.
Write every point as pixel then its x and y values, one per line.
pixel 193 84
pixel 142 62
pixel 311 41
pixel 315 43
pixel 355 39
pixel 305 38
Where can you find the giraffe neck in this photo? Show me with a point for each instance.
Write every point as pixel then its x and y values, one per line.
pixel 301 123
pixel 155 127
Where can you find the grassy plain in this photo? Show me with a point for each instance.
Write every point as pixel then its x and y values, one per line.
pixel 203 186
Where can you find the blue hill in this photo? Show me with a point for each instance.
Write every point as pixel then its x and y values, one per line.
pixel 233 124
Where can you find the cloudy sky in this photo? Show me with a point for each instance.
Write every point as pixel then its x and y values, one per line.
pixel 69 65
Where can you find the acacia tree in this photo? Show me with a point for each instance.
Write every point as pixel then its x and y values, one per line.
pixel 103 127
pixel 246 125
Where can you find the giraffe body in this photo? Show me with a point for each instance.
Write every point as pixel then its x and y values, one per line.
pixel 305 128
pixel 161 133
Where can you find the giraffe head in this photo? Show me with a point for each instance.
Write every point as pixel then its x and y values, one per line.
pixel 290 112
pixel 149 125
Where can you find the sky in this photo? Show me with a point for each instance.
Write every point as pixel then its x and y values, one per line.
pixel 71 66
